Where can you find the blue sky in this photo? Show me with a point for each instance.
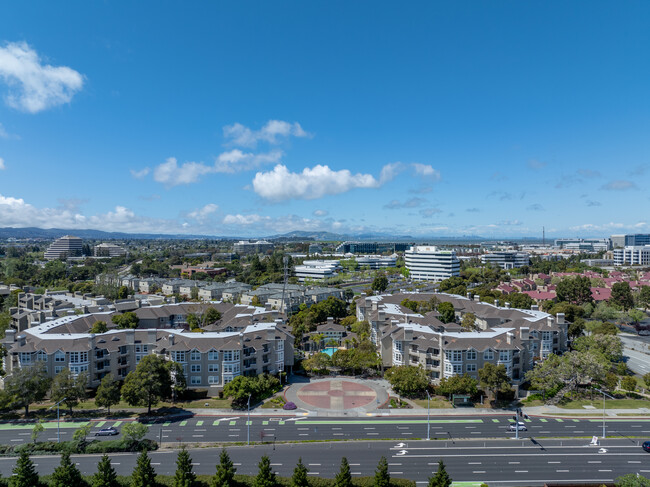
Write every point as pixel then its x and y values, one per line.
pixel 255 118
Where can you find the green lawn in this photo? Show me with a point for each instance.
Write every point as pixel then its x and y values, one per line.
pixel 609 404
pixel 436 403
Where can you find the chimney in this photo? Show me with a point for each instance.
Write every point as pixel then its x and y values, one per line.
pixel 477 298
pixel 130 337
pixel 268 307
pixel 241 340
pixel 408 334
pixel 91 341
pixel 507 305
pixel 509 338
pixel 21 340
pixel 381 316
pixel 375 305
pixel 469 296
pixel 550 321
pixel 10 336
pixel 534 307
pixel 151 336
pixel 523 333
pixel 330 320
pixel 171 339
pixel 270 335
pixel 560 318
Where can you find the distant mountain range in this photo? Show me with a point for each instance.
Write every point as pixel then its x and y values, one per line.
pixel 52 233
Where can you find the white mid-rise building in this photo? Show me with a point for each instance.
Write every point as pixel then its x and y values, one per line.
pixel 429 263
pixel 377 261
pixel 317 269
pixel 632 255
pixel 109 250
pixel 64 247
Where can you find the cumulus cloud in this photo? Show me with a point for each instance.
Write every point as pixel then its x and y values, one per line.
pixel 280 184
pixel 426 170
pixel 236 160
pixel 171 174
pixel 536 165
pixel 273 132
pixel 141 173
pixel 410 203
pixel 245 220
pixel 201 214
pixel 32 85
pixel 620 185
pixel 321 212
pixel 2 164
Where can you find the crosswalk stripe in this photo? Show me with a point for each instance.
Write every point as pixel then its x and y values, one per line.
pixel 543 420
pixel 216 422
pixel 117 423
pixel 232 423
pixel 264 423
pixel 199 423
pixel 559 420
pixel 495 420
pixel 100 424
pixel 184 423
pixel 167 423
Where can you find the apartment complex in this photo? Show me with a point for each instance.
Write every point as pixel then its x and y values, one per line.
pixel 64 247
pixel 504 336
pixel 248 343
pixel 430 263
pixel 506 259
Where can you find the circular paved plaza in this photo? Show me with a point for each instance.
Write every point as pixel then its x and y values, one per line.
pixel 338 395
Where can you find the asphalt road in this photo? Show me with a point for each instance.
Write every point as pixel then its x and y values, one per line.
pixel 497 462
pixel 637 351
pixel 302 428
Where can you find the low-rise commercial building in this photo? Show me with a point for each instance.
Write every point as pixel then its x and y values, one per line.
pixel 506 259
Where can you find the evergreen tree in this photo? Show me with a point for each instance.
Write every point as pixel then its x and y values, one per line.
pixel 265 476
pixel 24 473
pixel 105 476
pixel 299 478
pixel 382 477
pixel 108 393
pixel 66 474
pixel 441 477
pixel 225 476
pixel 144 475
pixel 344 477
pixel 184 476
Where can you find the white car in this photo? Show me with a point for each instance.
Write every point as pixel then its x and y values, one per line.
pixel 519 426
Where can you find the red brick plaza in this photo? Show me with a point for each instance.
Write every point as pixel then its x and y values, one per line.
pixel 337 394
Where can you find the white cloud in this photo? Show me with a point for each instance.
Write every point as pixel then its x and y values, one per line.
pixel 321 212
pixel 312 183
pixel 426 170
pixel 271 132
pixel 236 160
pixel 171 174
pixel 619 185
pixel 203 213
pixel 244 219
pixel 34 86
pixel 429 212
pixel 140 174
pixel 2 164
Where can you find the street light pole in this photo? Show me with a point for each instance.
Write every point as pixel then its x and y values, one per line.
pixel 428 424
pixel 58 422
pixel 604 394
pixel 248 441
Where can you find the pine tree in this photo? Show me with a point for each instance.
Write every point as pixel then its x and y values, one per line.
pixel 299 478
pixel 144 475
pixel 225 476
pixel 382 477
pixel 441 477
pixel 265 476
pixel 184 476
pixel 344 477
pixel 66 474
pixel 105 476
pixel 24 473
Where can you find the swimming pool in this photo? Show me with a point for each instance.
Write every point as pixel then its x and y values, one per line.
pixel 330 351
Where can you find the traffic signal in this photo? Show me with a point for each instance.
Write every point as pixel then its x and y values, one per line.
pixel 514 418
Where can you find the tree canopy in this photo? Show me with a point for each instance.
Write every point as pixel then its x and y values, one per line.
pixel 407 380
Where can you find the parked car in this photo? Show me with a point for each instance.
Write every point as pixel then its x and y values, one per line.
pixel 646 446
pixel 519 426
pixel 107 432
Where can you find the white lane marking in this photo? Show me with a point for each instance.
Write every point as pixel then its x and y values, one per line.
pixel 478 471
pixel 514 463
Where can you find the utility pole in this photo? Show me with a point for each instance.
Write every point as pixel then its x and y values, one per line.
pixel 604 394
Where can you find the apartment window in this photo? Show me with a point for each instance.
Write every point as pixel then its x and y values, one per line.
pixel 122 349
pixel 142 349
pixel 195 368
pixel 546 335
pixel 195 380
pixel 397 357
pixel 471 355
pixel 504 356
pixel 195 355
pixel 58 368
pixel 280 357
pixel 179 357
pixel 230 355
pixel 59 356
pixel 213 355
pixel 25 358
pixel 78 357
pixel 454 355
pixel 535 344
pixel 471 368
pixel 488 354
pixel 458 369
pixel 78 369
pixel 231 368
pixel 213 379
pixel 213 367
pixel 280 345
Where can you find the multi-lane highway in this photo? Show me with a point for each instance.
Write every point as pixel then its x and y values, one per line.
pixel 236 428
pixel 497 462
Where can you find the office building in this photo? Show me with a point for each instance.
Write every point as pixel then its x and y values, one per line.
pixel 632 255
pixel 244 247
pixel 108 250
pixel 583 244
pixel 506 259
pixel 316 269
pixel 429 263
pixel 64 247
pixel 372 247
pixel 376 261
pixel 638 239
